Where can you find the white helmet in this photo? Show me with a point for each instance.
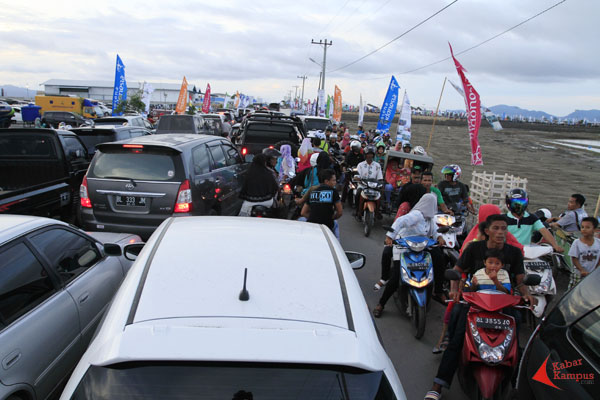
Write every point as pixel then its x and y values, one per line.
pixel 333 136
pixel 354 137
pixel 313 159
pixel 321 135
pixel 419 150
pixel 355 145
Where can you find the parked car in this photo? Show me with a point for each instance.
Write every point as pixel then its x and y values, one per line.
pixel 184 124
pixel 562 357
pixel 312 123
pixel 17 116
pixel 217 124
pixel 53 118
pixel 134 185
pixel 42 170
pixel 195 319
pixel 228 114
pixel 264 129
pixel 92 137
pixel 55 284
pixel 124 120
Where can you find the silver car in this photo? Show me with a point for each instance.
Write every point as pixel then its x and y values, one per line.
pixel 56 281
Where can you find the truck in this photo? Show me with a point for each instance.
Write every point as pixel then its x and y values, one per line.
pixel 87 108
pixel 41 171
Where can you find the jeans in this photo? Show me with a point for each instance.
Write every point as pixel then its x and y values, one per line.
pixel 386 262
pixel 388 193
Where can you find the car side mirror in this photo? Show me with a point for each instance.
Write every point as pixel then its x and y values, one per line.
pixel 532 279
pixel 112 249
pixel 452 275
pixel 356 260
pixel 131 251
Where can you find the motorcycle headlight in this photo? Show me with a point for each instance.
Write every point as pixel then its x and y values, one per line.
pixel 489 354
pixel 416 246
pixel 445 220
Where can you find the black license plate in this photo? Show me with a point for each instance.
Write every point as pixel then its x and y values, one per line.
pixel 131 201
pixel 492 323
pixel 418 266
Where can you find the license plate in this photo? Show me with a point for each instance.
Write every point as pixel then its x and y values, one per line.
pixel 418 266
pixel 492 323
pixel 131 201
pixel 539 265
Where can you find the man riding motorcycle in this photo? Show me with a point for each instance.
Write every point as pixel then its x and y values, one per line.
pixel 260 186
pixel 353 158
pixel 454 192
pixel 368 169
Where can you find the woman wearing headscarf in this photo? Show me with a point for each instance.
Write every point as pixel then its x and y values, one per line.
pixel 286 163
pixel 418 222
pixel 345 141
pixel 304 153
pixel 260 186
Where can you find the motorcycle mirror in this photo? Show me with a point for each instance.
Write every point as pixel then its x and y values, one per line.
pixel 443 229
pixel 387 228
pixel 452 275
pixel 532 279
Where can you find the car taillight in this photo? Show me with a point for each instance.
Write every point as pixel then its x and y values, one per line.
pixel 184 198
pixel 84 199
pixel 244 151
pixel 287 188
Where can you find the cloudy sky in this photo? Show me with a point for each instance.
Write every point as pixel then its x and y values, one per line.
pixel 551 63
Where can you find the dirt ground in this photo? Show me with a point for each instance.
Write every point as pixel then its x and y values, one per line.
pixel 553 172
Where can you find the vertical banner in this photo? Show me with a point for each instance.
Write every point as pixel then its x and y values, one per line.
pixel 329 109
pixel 337 105
pixel 322 103
pixel 225 100
pixel 361 112
pixel 403 134
pixel 206 102
pixel 388 109
pixel 182 100
pixel 120 89
pixel 473 104
pixel 236 103
pixel 147 91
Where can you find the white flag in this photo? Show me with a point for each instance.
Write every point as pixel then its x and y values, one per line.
pixel 361 112
pixel 147 90
pixel 322 102
pixel 404 122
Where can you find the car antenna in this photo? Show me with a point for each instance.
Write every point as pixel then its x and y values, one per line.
pixel 244 295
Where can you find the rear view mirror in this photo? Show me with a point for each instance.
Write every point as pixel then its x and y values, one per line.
pixel 112 249
pixel 131 251
pixel 452 275
pixel 356 260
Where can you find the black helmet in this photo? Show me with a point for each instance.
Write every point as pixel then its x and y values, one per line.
pixel 517 201
pixel 271 152
pixel 370 149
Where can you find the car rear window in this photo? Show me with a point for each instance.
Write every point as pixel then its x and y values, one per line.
pixel 152 165
pixel 91 138
pixel 316 124
pixel 231 381
pixel 178 124
pixel 271 134
pixel 26 145
pixel 110 121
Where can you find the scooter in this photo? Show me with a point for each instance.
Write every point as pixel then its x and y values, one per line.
pixel 413 297
pixel 489 356
pixel 449 227
pixel 371 193
pixel 352 185
pixel 535 264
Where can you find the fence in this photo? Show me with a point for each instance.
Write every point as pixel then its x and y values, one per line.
pixel 492 188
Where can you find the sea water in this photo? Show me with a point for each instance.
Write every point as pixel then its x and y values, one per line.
pixel 590 145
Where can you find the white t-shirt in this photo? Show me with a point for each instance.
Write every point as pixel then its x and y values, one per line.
pixel 588 255
pixel 369 171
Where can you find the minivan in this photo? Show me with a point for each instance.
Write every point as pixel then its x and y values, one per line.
pixel 194 124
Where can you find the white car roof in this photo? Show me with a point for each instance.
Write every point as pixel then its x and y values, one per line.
pixel 12 226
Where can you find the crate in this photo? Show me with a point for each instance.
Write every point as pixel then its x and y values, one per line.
pixel 491 188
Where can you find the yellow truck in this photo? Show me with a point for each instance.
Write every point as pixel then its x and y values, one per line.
pixel 87 108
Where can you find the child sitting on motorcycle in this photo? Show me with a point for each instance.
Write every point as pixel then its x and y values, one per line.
pixel 493 276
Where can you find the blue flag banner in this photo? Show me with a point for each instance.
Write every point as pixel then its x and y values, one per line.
pixel 120 90
pixel 388 110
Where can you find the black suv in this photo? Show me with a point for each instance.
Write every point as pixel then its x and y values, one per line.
pixel 265 129
pixel 194 124
pixel 53 118
pixel 92 137
pixel 134 185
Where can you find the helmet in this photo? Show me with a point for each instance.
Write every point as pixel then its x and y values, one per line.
pixel 313 159
pixel 370 149
pixel 355 145
pixel 453 170
pixel 419 150
pixel 363 135
pixel 380 144
pixel 353 137
pixel 271 153
pixel 333 136
pixel 543 214
pixel 406 144
pixel 386 135
pixel 320 135
pixel 517 201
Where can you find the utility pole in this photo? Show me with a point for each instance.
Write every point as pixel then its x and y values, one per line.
pixel 296 91
pixel 303 77
pixel 324 44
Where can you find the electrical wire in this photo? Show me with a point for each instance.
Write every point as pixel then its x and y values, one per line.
pixel 334 17
pixel 394 39
pixel 367 16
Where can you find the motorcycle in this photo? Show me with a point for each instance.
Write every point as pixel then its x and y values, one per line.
pixel 413 297
pixel 534 263
pixel 370 193
pixel 284 200
pixel 489 356
pixel 352 185
pixel 449 227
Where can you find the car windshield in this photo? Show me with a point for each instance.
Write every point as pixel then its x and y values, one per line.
pixel 137 165
pixel 271 134
pixel 231 381
pixel 110 121
pixel 180 124
pixel 316 124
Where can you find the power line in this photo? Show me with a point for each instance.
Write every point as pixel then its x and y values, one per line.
pixel 366 16
pixel 334 17
pixel 347 18
pixel 394 39
pixel 478 44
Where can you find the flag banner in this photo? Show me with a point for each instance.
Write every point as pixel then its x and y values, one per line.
pixel 337 104
pixel 388 109
pixel 473 104
pixel 236 103
pixel 147 91
pixel 458 88
pixel 361 112
pixel 206 103
pixel 404 122
pixel 322 103
pixel 329 108
pixel 120 89
pixel 489 115
pixel 181 101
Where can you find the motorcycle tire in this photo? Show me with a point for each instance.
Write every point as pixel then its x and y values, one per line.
pixel 418 316
pixel 401 301
pixel 368 221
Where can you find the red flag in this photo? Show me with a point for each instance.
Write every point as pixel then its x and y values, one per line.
pixel 473 104
pixel 206 103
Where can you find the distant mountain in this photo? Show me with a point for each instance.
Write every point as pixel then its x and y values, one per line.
pixel 15 91
pixel 513 111
pixel 590 115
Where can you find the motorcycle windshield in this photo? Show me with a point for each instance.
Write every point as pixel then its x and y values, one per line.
pixel 491 300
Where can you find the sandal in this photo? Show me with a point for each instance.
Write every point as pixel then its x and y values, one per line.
pixel 444 343
pixel 380 283
pixel 432 395
pixel 437 349
pixel 377 311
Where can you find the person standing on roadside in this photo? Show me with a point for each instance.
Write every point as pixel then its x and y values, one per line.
pixel 585 252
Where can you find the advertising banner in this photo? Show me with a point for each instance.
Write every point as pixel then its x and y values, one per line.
pixel 337 105
pixel 120 89
pixel 322 103
pixel 147 91
pixel 388 109
pixel 182 100
pixel 206 102
pixel 404 122
pixel 361 112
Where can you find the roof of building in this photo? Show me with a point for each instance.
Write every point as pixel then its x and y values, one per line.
pixel 109 84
